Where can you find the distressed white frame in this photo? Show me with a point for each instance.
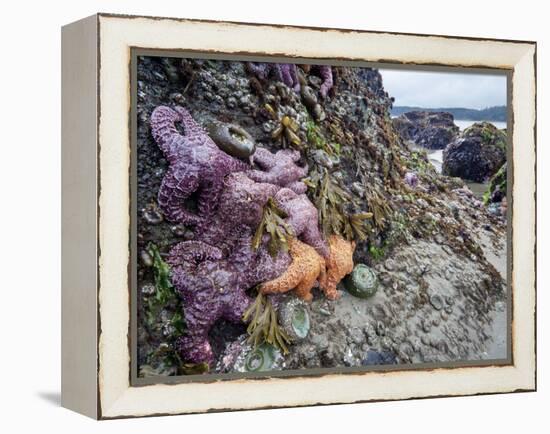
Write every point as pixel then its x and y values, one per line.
pixel 116 398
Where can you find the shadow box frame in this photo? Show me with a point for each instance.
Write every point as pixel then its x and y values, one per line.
pixel 97 344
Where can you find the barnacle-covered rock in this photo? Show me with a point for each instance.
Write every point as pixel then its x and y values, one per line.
pixel 496 191
pixel 362 282
pixel 411 179
pixel 431 130
pixel 476 154
pixel 232 139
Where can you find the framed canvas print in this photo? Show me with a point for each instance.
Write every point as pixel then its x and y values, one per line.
pixel 260 216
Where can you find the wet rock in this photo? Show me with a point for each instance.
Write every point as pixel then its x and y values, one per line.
pixel 477 154
pixel 373 358
pixel 497 189
pixel 431 130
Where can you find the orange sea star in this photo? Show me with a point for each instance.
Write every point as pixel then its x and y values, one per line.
pixel 339 263
pixel 301 276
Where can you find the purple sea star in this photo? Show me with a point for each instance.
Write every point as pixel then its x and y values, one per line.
pixel 279 169
pixel 239 210
pixel 213 288
pixel 213 281
pixel 303 218
pixel 196 165
pixel 285 72
pixel 325 72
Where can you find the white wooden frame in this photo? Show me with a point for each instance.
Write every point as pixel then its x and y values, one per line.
pixel 96 218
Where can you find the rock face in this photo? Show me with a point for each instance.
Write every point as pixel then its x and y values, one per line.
pixel 431 130
pixel 496 191
pixel 476 154
pixel 438 254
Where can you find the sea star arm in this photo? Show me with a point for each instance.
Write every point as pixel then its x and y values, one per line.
pixel 264 159
pixel 175 188
pixel 259 69
pixel 294 77
pixel 311 235
pixel 325 72
pixel 190 126
pixel 291 154
pixel 164 131
pixel 297 187
pixel 163 128
pixel 240 302
pixel 194 252
pixel 285 282
pixel 289 76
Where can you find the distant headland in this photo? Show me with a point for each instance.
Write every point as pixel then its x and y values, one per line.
pixel 497 113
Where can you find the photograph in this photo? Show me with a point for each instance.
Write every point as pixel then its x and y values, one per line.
pixel 309 218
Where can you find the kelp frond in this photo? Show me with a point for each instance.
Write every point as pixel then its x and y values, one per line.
pixel 330 200
pixel 274 225
pixel 286 133
pixel 264 326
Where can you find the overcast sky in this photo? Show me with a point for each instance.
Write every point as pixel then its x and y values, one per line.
pixel 444 89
